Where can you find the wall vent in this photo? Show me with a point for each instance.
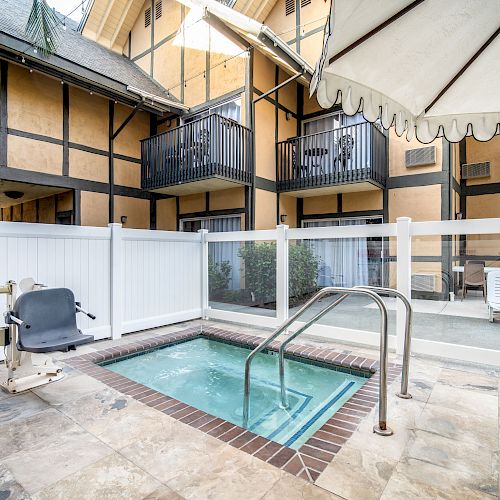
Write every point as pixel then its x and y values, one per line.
pixel 147 17
pixel 476 170
pixel 158 9
pixel 423 282
pixel 420 156
pixel 289 7
pixel 303 3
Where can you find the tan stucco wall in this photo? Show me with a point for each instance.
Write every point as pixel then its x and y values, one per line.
pixel 484 151
pixel 263 72
pixel 94 209
pixel 310 48
pixel 421 203
pixel 34 102
pixel 30 154
pixel 310 103
pixel 141 36
pixel 127 173
pixel 265 150
pixel 88 119
pixel 166 216
pixel 288 207
pixel 128 140
pixel 483 206
pixel 227 198
pixel 136 210
pixel 367 200
pixel 170 20
pixel 320 204
pixel 192 203
pixel 168 73
pixel 286 128
pixel 89 166
pixel 47 210
pixel 226 79
pixel 265 209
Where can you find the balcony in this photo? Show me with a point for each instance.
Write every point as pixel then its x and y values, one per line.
pixel 207 154
pixel 350 158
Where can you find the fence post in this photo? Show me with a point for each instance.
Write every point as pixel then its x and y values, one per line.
pixel 116 280
pixel 403 259
pixel 281 273
pixel 204 273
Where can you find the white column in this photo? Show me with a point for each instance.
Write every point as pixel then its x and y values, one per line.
pixel 403 253
pixel 116 280
pixel 281 274
pixel 204 273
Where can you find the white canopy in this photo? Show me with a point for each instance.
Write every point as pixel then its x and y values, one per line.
pixel 426 66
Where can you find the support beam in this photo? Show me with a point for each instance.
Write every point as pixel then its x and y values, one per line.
pixel 104 19
pixel 3 113
pixel 120 23
pixel 111 169
pixel 126 121
pixel 277 87
pixel 65 167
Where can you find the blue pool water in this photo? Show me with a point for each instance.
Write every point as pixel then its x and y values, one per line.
pixel 208 375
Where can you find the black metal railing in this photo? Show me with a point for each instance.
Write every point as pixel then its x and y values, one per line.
pixel 213 146
pixel 347 154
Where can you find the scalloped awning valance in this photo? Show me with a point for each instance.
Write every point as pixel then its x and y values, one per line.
pixel 429 67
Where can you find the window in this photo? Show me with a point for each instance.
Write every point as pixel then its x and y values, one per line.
pixel 158 8
pixel 289 7
pixel 147 17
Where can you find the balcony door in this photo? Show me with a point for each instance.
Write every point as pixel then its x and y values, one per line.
pixel 220 251
pixel 348 261
pixel 324 153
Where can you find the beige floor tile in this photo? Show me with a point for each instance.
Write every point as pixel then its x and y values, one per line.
pixel 20 406
pixel 476 382
pixel 459 426
pixel 9 488
pixel 23 434
pixel 55 458
pixel 116 419
pixel 468 401
pixel 294 488
pixel 182 451
pixel 164 493
pixel 422 480
pixel 111 478
pixel 68 389
pixel 451 454
pixel 357 474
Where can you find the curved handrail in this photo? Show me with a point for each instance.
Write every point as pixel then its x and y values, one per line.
pixel 407 343
pixel 381 428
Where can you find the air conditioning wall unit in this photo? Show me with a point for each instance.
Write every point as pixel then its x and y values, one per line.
pixel 420 157
pixel 423 282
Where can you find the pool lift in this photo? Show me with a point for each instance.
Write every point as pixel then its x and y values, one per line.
pixel 41 320
pixel 374 294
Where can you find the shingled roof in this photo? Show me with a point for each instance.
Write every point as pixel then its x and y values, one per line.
pixel 74 48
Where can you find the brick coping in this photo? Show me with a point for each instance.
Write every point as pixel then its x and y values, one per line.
pixel 310 459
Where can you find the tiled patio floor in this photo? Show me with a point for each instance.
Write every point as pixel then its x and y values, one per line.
pixel 78 438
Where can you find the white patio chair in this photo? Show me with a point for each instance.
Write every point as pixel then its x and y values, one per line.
pixel 493 293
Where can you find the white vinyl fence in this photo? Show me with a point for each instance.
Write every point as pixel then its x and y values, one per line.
pixel 138 279
pixel 130 279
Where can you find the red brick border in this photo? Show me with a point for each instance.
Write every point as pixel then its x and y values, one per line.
pixel 310 460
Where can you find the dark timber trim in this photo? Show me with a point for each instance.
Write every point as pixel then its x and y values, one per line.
pixel 250 112
pixel 297 26
pixel 446 209
pixel 65 166
pixel 177 213
pixel 273 101
pixel 153 16
pixel 340 214
pixel 137 107
pixel 152 212
pixel 77 207
pixel 480 189
pixel 265 184
pixel 416 180
pixel 212 213
pixel 3 113
pixel 183 52
pixel 339 202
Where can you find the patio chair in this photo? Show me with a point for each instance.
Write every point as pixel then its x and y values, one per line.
pixel 474 277
pixel 493 294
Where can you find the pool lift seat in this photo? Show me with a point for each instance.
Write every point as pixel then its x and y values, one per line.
pixel 41 321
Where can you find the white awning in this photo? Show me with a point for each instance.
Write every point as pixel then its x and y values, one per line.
pixel 430 67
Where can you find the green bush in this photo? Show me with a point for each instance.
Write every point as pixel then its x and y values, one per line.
pixel 260 270
pixel 219 274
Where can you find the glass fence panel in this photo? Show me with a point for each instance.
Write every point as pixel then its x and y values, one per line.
pixel 451 298
pixel 340 262
pixel 242 277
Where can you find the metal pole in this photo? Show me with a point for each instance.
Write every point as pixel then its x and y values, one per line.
pixel 381 428
pixel 405 372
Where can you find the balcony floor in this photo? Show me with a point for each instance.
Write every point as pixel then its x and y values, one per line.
pixel 354 187
pixel 198 186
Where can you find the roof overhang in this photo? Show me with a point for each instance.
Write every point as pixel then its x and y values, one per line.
pixel 254 34
pixel 14 50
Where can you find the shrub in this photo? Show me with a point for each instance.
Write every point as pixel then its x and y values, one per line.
pixel 219 274
pixel 260 270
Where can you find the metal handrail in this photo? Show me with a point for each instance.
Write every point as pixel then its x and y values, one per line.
pixel 407 343
pixel 381 428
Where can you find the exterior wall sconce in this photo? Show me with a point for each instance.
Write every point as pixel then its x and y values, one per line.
pixel 288 116
pixel 283 218
pixel 123 219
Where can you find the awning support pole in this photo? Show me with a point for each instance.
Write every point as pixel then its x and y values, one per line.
pixel 274 89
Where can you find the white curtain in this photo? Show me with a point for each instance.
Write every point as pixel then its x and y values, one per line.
pixel 226 250
pixel 343 261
